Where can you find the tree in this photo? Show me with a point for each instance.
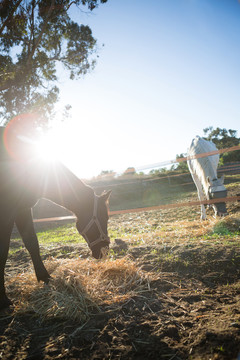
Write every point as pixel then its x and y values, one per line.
pixel 35 36
pixel 182 166
pixel 224 138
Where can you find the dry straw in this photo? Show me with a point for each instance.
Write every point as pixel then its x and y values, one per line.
pixel 79 288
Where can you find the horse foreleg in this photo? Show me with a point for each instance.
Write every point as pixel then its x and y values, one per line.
pixel 4 247
pixel 24 223
pixel 200 194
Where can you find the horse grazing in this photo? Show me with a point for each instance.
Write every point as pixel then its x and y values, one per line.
pixel 22 184
pixel 204 174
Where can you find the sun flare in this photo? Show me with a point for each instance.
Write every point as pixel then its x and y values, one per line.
pixel 47 148
pixel 60 144
pixel 77 146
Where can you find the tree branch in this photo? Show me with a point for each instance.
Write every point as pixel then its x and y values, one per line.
pixel 68 7
pixel 36 44
pixel 10 15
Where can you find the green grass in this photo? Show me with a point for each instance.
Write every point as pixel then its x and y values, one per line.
pixel 226 237
pixel 17 247
pixel 63 234
pixel 116 233
pixel 221 229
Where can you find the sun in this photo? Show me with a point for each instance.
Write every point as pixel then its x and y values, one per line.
pixel 75 144
pixel 49 146
pixel 58 144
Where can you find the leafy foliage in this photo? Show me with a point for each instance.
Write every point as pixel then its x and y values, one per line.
pixel 36 36
pixel 182 166
pixel 224 138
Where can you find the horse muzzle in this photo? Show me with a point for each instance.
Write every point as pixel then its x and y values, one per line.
pixel 219 207
pixel 221 214
pixel 100 252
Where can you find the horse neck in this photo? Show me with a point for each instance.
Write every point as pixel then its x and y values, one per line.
pixel 61 186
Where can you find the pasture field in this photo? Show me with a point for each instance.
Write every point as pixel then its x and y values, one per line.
pixel 169 289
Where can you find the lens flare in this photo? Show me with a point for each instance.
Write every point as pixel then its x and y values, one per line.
pixel 47 148
pixel 20 135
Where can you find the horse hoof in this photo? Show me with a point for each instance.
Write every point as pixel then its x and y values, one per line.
pixel 45 279
pixel 43 276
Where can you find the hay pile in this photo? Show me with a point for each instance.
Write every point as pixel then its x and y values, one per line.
pixel 78 289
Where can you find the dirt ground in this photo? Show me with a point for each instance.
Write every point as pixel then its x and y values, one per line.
pixel 191 309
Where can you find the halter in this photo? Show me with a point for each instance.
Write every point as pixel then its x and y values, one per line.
pixel 94 220
pixel 219 188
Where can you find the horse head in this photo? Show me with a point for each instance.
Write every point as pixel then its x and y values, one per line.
pixel 92 225
pixel 217 190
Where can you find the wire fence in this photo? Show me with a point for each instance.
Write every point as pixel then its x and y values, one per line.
pixel 148 208
pixel 182 159
pixel 176 205
pixel 132 180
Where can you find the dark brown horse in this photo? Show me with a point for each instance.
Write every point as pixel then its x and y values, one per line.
pixel 22 183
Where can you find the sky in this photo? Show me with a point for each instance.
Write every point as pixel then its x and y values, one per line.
pixel 166 70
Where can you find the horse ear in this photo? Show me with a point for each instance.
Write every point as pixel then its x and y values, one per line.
pixel 105 195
